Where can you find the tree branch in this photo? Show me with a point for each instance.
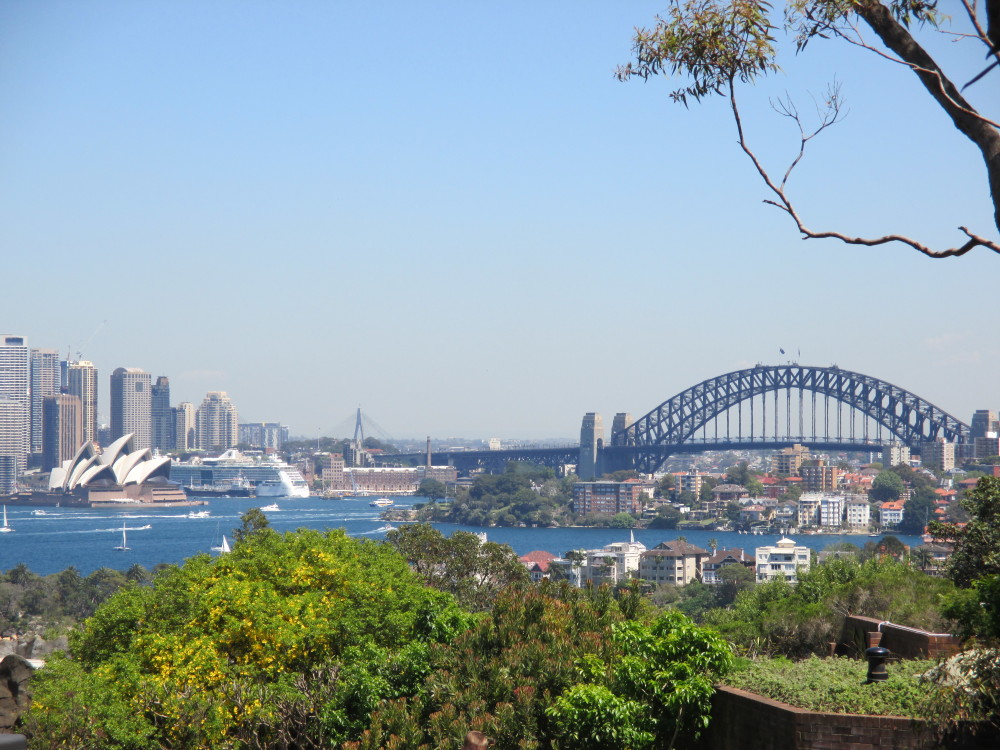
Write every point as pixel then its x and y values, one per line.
pixel 784 203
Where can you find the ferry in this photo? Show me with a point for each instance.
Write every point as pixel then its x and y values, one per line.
pixel 381 502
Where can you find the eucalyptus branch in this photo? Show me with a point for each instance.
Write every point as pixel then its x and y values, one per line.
pixel 981 33
pixel 784 203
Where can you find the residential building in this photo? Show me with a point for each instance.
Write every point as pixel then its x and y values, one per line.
pixel 786 513
pixel 938 455
pixel 615 562
pixel 831 511
pixel 46 380
pixel 752 513
pixel 891 513
pixel 264 435
pixel 81 382
pixel 820 478
pixel 591 438
pixel 185 438
pixel 787 461
pixel 858 513
pixel 537 562
pixel 689 482
pixel 676 563
pixel 163 422
pixel 15 387
pixel 62 428
pixel 894 454
pixel 216 422
pixel 711 566
pixel 809 509
pixel 131 406
pixel 784 559
pixel 724 494
pixel 607 497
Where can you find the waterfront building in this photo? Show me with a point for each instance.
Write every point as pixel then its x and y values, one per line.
pixel 62 428
pixel 809 508
pixel 938 455
pixel 591 439
pixel 894 454
pixel 81 381
pixel 724 494
pixel 382 480
pixel 676 563
pixel 753 513
pixel 711 566
pixel 891 513
pixel 216 422
pixel 607 497
pixel 46 380
pixel 831 511
pixel 184 426
pixel 783 559
pixel 786 513
pixel 858 513
pixel 613 563
pixel 131 406
pixel 263 435
pixel 162 416
pixel 15 387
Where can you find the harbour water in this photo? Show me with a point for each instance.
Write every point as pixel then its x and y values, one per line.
pixel 86 539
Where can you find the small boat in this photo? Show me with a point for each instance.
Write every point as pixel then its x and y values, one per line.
pixel 5 527
pixel 381 502
pixel 123 547
pixel 39 512
pixel 224 547
pixel 199 514
pixel 271 507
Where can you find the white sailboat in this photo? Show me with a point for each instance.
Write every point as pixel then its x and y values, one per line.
pixel 5 527
pixel 123 547
pixel 224 547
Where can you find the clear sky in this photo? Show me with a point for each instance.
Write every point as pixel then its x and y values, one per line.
pixel 452 214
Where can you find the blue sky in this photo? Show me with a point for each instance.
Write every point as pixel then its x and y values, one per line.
pixel 452 214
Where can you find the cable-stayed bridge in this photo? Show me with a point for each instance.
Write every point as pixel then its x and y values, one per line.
pixel 762 407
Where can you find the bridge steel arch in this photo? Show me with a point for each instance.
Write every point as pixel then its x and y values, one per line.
pixel 910 418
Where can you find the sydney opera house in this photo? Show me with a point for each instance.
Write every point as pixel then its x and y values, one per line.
pixel 118 475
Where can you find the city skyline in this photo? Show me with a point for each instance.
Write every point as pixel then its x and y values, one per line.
pixel 469 234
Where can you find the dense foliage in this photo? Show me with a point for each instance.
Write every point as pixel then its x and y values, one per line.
pixel 523 495
pixel 562 668
pixel 290 640
pixel 779 618
pixel 835 685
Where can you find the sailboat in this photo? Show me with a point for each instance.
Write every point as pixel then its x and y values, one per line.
pixel 224 547
pixel 5 527
pixel 124 545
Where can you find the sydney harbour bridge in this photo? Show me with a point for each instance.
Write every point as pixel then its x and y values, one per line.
pixel 762 407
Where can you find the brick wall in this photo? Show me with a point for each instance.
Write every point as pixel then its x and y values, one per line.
pixel 903 642
pixel 744 721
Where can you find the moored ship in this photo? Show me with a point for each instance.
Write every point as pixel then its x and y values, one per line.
pixel 267 476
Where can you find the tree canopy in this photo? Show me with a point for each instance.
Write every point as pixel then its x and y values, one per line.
pixel 719 45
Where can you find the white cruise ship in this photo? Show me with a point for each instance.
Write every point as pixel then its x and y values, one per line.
pixel 268 476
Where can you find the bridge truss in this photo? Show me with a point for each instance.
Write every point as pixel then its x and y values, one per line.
pixel 736 407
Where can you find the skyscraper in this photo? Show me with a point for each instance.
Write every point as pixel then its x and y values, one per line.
pixel 131 406
pixel 82 383
pixel 11 443
pixel 162 415
pixel 62 420
pixel 14 386
pixel 217 422
pixel 184 423
pixel 46 380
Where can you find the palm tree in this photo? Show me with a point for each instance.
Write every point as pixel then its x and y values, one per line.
pixel 714 544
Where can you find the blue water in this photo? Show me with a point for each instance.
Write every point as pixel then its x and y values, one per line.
pixel 86 539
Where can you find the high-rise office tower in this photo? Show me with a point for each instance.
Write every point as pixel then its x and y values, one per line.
pixel 591 439
pixel 81 381
pixel 62 428
pixel 162 414
pixel 46 380
pixel 131 406
pixel 984 422
pixel 14 386
pixel 11 443
pixel 184 432
pixel 217 422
